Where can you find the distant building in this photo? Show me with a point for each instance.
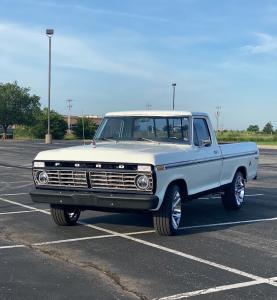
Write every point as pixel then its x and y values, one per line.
pixel 73 120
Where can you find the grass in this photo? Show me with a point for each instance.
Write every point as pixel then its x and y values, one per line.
pixel 246 136
pixel 267 143
pixel 25 133
pixel 22 133
pixel 70 137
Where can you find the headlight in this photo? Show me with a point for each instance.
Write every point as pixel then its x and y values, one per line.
pixel 142 182
pixel 41 177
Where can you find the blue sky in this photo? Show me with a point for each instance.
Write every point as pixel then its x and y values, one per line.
pixel 124 54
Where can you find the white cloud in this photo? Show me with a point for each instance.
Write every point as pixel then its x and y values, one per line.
pixel 143 77
pixel 267 44
pixel 28 46
pixel 181 41
pixel 95 11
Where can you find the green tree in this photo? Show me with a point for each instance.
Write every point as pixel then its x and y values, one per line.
pixel 57 128
pixel 268 128
pixel 17 105
pixel 253 128
pixel 89 128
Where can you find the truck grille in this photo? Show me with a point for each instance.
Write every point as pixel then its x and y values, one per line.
pixel 116 181
pixel 68 178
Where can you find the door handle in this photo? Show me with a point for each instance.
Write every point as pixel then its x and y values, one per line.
pixel 215 152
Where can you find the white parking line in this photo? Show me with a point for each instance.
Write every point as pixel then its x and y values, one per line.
pixel 228 223
pixel 18 212
pixel 212 225
pixel 67 240
pixel 74 240
pixel 24 185
pixel 12 246
pixel 15 194
pixel 26 206
pixel 58 241
pixel 162 248
pixel 218 197
pixel 151 231
pixel 140 232
pixel 182 254
pixel 11 182
pixel 216 289
pixel 17 166
pixel 26 165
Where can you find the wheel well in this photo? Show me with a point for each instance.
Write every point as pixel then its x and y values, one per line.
pixel 182 185
pixel 243 171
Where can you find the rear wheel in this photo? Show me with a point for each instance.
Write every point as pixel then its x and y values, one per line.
pixel 167 219
pixel 233 196
pixel 64 215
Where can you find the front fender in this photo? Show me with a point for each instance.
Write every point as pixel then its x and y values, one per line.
pixel 163 179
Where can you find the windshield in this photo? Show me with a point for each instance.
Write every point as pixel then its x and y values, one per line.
pixel 159 129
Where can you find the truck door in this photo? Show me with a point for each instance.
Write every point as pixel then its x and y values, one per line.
pixel 208 158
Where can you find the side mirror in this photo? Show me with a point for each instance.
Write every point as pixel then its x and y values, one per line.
pixel 206 143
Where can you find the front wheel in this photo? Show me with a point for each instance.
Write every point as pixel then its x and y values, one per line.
pixel 63 215
pixel 167 219
pixel 233 196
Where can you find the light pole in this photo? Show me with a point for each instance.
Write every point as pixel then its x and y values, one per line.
pixel 217 114
pixel 173 100
pixel 48 136
pixel 148 106
pixel 69 106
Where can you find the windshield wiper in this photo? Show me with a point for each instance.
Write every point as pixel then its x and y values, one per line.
pixel 147 140
pixel 108 139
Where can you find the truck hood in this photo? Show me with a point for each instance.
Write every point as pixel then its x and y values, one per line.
pixel 122 152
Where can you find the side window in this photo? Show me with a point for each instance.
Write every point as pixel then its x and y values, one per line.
pixel 201 131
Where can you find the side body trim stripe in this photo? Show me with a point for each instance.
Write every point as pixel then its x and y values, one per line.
pixel 194 162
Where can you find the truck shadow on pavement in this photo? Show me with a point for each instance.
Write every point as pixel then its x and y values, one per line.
pixel 201 214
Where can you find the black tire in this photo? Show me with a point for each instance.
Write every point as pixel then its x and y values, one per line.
pixel 233 196
pixel 64 215
pixel 163 220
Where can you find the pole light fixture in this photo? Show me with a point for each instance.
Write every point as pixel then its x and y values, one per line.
pixel 173 100
pixel 48 136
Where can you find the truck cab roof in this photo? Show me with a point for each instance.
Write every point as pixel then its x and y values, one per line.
pixel 154 113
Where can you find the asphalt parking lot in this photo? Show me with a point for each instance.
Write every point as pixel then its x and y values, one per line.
pixel 216 254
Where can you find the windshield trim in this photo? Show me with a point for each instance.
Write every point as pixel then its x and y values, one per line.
pixel 167 140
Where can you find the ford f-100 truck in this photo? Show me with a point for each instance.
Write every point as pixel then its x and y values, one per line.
pixel 144 160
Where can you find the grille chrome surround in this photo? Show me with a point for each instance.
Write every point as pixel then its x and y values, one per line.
pixel 120 181
pixel 64 178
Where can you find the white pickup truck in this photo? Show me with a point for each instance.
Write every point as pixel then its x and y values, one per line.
pixel 144 160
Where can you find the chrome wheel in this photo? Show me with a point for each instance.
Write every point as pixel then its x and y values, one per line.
pixel 176 210
pixel 239 190
pixel 73 215
pixel 233 196
pixel 167 219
